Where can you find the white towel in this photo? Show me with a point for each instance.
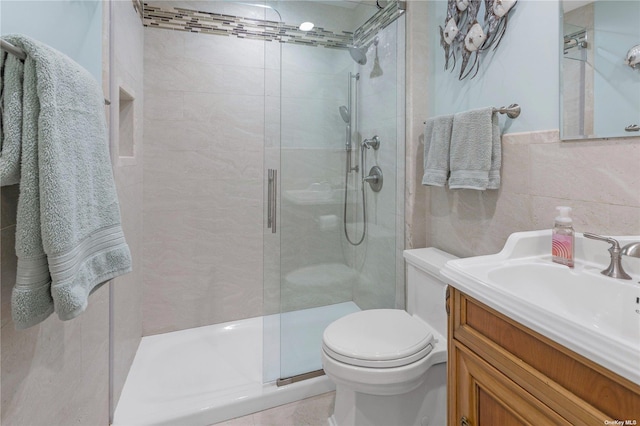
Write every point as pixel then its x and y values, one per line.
pixel 69 239
pixel 437 137
pixel 476 152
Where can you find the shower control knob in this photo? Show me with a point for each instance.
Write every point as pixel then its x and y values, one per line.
pixel 375 179
pixel 374 143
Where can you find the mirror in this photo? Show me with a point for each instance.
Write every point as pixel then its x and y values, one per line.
pixel 599 91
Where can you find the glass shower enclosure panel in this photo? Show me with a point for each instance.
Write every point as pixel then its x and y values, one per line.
pixel 321 107
pixel 272 204
pixel 316 276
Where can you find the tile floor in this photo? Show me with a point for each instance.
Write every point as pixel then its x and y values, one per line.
pixel 307 412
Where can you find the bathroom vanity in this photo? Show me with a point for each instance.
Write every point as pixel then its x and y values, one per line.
pixel 503 373
pixel 535 343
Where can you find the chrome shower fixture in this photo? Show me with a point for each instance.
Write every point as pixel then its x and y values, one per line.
pixel 345 114
pixel 359 54
pixel 374 143
pixel 375 179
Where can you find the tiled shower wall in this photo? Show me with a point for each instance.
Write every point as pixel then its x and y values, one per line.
pixel 381 102
pixel 126 293
pixel 314 84
pixel 206 99
pixel 203 142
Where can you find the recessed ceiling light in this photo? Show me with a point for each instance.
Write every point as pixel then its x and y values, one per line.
pixel 306 26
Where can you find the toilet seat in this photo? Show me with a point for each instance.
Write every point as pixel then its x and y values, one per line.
pixel 378 338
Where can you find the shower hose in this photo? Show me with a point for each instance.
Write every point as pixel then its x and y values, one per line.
pixel 363 167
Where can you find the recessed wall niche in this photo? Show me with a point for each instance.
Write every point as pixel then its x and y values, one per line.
pixel 126 138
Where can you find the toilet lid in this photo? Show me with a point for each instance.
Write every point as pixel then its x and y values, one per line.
pixel 378 338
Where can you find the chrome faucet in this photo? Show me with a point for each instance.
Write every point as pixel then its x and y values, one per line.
pixel 615 267
pixel 631 249
pixel 374 143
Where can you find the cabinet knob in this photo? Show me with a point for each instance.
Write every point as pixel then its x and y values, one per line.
pixel 464 421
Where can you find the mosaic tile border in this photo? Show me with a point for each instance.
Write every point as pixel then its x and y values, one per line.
pixel 139 8
pixel 179 19
pixel 379 21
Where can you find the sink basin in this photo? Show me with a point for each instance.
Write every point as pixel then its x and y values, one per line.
pixel 592 314
pixel 577 295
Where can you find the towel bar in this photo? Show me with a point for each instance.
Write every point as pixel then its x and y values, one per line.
pixel 512 111
pixel 15 51
pixel 19 53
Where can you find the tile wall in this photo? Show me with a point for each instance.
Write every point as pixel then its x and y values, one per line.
pixel 381 103
pixel 313 141
pixel 184 16
pixel 212 125
pixel 418 62
pixel 203 174
pixel 126 299
pixel 57 373
pixel 62 367
pixel 314 84
pixel 598 179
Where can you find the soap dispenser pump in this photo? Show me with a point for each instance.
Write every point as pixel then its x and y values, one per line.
pixel 562 239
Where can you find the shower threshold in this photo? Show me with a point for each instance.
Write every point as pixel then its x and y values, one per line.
pixel 209 374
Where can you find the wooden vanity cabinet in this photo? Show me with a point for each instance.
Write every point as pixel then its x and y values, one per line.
pixel 501 373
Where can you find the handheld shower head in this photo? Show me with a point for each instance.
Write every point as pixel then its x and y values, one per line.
pixel 345 114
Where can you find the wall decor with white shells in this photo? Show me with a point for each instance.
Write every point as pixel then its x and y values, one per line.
pixel 465 37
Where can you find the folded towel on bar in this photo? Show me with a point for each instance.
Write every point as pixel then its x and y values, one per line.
pixel 69 238
pixel 11 118
pixel 437 138
pixel 475 150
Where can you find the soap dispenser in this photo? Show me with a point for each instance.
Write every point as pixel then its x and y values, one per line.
pixel 562 239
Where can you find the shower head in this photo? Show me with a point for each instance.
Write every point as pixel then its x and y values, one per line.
pixel 345 114
pixel 359 54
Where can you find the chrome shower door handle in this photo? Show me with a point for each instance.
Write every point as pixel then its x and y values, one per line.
pixel 269 191
pixel 272 192
pixel 274 202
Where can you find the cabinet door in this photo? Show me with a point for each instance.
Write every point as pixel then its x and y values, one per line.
pixel 485 397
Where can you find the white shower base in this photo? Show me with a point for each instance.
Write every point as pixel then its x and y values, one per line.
pixel 210 374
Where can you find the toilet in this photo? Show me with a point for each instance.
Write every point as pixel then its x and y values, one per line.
pixel 389 365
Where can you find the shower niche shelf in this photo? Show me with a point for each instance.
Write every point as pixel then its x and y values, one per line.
pixel 126 126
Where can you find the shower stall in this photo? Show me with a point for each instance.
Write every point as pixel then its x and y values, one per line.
pixel 273 198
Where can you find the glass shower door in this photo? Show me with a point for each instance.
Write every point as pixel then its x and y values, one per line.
pixel 313 274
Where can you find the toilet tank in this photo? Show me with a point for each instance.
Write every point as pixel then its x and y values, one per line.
pixel 425 286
